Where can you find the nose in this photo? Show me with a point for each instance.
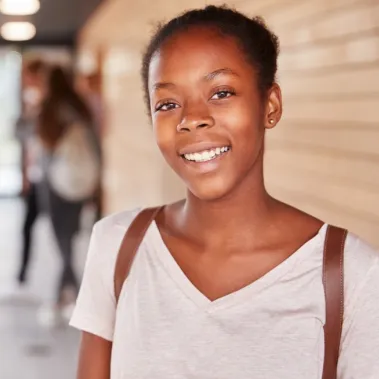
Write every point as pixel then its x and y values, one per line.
pixel 191 122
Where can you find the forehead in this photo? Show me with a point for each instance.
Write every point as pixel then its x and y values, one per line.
pixel 195 52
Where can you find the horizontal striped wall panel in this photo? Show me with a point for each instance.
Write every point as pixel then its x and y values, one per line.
pixel 293 125
pixel 265 8
pixel 320 71
pixel 354 173
pixel 305 12
pixel 355 110
pixel 362 50
pixel 336 83
pixel 351 21
pixel 351 140
pixel 317 150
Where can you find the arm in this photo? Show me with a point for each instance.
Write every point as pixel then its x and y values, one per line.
pixel 95 310
pixel 94 357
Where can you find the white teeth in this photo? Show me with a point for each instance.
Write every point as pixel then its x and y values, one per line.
pixel 206 155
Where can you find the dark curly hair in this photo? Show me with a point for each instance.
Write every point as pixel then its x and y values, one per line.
pixel 258 43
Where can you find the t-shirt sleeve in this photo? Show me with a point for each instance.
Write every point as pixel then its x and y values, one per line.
pixel 360 339
pixel 96 306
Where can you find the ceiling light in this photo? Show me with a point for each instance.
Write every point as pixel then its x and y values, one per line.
pixel 18 31
pixel 19 7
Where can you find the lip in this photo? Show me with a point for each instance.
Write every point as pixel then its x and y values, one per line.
pixel 207 166
pixel 201 146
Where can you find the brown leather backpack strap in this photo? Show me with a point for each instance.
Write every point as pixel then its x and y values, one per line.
pixel 129 246
pixel 333 280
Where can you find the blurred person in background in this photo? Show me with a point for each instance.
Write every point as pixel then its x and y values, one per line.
pixel 33 89
pixel 71 172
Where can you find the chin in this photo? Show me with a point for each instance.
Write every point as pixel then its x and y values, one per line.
pixel 210 190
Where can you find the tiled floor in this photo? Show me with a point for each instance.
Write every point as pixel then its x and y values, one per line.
pixel 29 350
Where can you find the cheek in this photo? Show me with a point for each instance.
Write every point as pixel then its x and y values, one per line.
pixel 164 127
pixel 244 125
pixel 243 120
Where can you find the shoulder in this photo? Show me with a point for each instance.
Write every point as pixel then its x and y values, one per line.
pixel 95 309
pixel 360 257
pixel 361 269
pixel 108 233
pixel 116 221
pixel 115 224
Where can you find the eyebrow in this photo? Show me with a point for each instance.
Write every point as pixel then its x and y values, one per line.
pixel 221 71
pixel 162 85
pixel 207 77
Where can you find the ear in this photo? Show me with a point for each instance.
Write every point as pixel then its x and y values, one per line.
pixel 274 108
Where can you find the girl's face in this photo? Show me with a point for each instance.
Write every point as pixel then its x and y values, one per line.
pixel 208 115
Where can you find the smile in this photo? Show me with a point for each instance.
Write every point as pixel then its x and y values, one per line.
pixel 206 155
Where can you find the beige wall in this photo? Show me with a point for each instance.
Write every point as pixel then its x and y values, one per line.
pixel 324 155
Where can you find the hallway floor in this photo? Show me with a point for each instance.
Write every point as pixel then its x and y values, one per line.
pixel 29 350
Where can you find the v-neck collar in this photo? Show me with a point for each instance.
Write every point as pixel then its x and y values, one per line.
pixel 156 243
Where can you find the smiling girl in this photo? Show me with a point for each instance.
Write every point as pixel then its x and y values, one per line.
pixel 227 283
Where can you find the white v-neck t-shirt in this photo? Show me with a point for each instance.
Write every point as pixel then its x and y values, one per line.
pixel 164 328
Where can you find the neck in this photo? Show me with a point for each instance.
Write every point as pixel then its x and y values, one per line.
pixel 248 209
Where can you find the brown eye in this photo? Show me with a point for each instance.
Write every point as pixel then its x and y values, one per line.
pixel 168 106
pixel 222 95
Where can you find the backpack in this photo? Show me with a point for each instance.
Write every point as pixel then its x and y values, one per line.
pixel 333 279
pixel 74 170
